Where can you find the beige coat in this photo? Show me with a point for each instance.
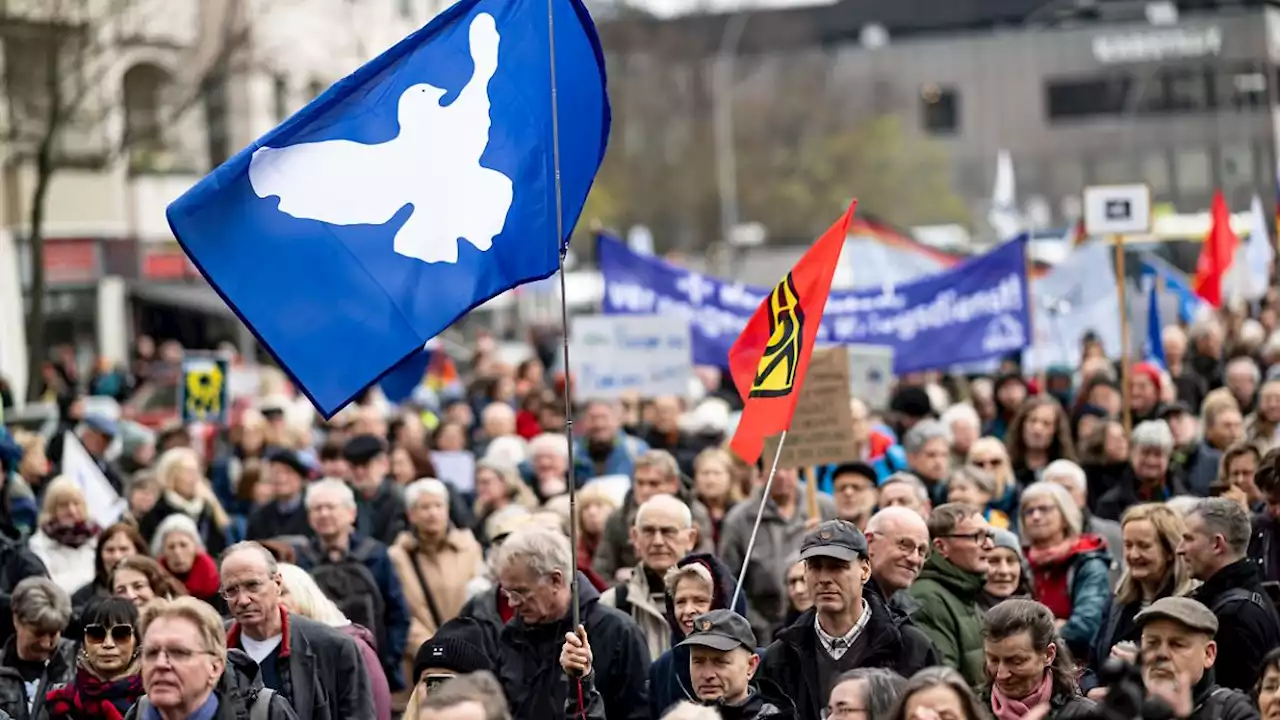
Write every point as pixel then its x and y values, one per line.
pixel 447 572
pixel 651 618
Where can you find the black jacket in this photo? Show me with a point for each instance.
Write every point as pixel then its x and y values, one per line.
pixel 892 643
pixel 60 669
pixel 537 688
pixel 1113 503
pixel 383 516
pixel 1212 702
pixel 1248 627
pixel 1264 546
pixel 269 521
pixel 16 564
pixel 214 538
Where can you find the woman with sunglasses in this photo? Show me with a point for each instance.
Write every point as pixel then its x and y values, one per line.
pixel 108 676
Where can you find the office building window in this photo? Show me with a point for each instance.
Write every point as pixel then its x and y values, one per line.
pixel 1194 171
pixel 1155 173
pixel 1235 163
pixel 1180 90
pixel 1078 98
pixel 940 109
pixel 280 96
pixel 1244 88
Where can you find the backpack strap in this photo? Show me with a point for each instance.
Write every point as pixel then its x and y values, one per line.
pixel 260 709
pixel 364 549
pixel 1234 595
pixel 426 589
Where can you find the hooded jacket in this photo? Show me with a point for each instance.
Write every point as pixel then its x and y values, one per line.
pixel 669 681
pixel 948 613
pixel 1084 573
pixel 789 671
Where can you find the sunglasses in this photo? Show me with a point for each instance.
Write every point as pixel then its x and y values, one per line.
pixel 97 634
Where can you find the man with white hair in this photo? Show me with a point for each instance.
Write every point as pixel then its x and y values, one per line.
pixel 903 489
pixel 497 419
pixel 1148 477
pixel 534 566
pixel 663 533
pixel 1072 477
pixel 355 571
pixel 962 421
pixel 547 468
pixel 928 446
pixel 898 542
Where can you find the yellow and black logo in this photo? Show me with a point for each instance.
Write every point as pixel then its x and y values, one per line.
pixel 776 374
pixel 205 391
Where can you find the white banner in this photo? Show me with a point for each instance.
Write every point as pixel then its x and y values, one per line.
pixel 616 355
pixel 105 505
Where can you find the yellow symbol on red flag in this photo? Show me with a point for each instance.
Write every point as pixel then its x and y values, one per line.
pixel 776 375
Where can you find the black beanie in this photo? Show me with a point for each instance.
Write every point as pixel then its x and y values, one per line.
pixel 451 649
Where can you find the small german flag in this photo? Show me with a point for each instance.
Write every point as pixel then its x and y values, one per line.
pixel 769 359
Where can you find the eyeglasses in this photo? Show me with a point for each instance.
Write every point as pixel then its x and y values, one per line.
pixel 980 537
pixel 97 634
pixel 253 587
pixel 1031 510
pixel 987 464
pixel 517 597
pixel 175 655
pixel 840 712
pixel 910 547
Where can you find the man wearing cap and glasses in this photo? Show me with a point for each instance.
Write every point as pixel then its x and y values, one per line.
pixel 844 630
pixel 949 587
pixel 1178 652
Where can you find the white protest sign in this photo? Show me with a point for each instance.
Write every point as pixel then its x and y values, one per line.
pixel 1117 209
pixel 104 503
pixel 871 374
pixel 617 355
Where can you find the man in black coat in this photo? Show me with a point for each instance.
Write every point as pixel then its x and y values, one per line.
pixel 533 566
pixel 844 630
pixel 16 564
pixel 1214 544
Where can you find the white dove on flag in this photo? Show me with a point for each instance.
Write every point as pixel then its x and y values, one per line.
pixel 433 164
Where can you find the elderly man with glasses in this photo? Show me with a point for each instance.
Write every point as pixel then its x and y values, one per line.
pixel 37 658
pixel 949 587
pixel 316 668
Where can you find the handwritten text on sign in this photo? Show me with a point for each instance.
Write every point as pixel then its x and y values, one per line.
pixel 618 355
pixel 822 428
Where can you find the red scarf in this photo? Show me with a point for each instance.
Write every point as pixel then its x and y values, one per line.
pixel 91 698
pixel 202 580
pixel 1007 708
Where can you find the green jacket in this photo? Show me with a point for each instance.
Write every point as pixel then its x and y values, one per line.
pixel 949 615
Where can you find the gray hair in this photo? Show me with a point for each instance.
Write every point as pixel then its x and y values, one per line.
pixel 542 550
pixel 961 413
pixel 1071 514
pixel 666 502
pixel 662 460
pixel 40 604
pixel 1247 363
pixel 549 442
pixel 345 495
pixel 273 565
pixel 883 689
pixel 424 486
pixel 1069 470
pixel 916 484
pixel 1153 433
pixel 922 434
pixel 985 481
pixel 1226 518
pixel 177 522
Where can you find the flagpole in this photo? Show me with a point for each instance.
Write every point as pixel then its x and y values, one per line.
pixel 1121 284
pixel 755 530
pixel 562 249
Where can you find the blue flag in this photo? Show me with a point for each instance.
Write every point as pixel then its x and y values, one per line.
pixel 1169 279
pixel 408 193
pixel 1155 327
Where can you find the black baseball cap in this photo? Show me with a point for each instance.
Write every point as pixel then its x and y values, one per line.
pixel 362 449
pixel 721 630
pixel 1174 409
pixel 839 539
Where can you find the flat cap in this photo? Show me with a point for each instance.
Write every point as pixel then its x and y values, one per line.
pixel 1182 610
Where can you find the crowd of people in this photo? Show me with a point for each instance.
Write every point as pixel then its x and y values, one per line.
pixel 1005 546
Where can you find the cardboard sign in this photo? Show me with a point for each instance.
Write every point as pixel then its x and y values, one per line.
pixel 871 374
pixel 822 428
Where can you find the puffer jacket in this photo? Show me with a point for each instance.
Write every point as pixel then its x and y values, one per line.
pixel 1084 570
pixel 669 681
pixel 949 615
pixel 61 669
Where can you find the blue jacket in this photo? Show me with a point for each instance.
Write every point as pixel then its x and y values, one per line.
pixel 396 612
pixel 621 460
pixel 669 681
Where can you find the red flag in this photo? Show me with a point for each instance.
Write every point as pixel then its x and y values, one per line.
pixel 769 359
pixel 1216 255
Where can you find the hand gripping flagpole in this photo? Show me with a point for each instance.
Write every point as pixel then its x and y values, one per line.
pixel 563 248
pixel 764 498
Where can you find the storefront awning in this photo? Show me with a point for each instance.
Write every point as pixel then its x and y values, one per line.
pixel 198 298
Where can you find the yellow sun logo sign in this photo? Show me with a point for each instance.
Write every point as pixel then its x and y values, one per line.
pixel 204 392
pixel 776 374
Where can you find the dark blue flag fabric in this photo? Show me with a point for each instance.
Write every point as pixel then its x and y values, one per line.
pixel 1155 326
pixel 410 192
pixel 976 311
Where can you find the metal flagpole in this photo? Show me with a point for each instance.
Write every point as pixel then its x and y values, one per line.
pixel 764 498
pixel 564 313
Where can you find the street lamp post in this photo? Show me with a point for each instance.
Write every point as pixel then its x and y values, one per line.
pixel 722 99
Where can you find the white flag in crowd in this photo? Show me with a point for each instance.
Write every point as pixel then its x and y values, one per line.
pixel 1077 296
pixel 1250 272
pixel 104 503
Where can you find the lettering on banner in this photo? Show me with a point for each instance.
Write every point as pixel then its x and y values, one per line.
pixel 822 427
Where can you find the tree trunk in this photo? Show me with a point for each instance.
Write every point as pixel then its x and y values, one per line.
pixel 37 352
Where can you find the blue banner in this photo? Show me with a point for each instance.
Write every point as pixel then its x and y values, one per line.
pixel 976 311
